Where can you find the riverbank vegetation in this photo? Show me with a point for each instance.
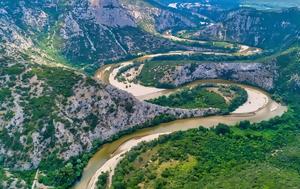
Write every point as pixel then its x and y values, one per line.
pixel 205 96
pixel 102 181
pixel 246 156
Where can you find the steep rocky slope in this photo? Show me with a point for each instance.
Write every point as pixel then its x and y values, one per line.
pixel 259 74
pixel 265 29
pixel 44 108
pixel 88 32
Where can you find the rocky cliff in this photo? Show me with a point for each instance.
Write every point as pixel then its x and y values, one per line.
pixel 265 29
pixel 258 74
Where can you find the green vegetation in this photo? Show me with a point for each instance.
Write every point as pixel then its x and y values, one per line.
pixel 27 176
pixel 153 71
pixel 40 107
pixel 62 174
pixel 61 80
pixel 4 93
pixel 2 176
pixel 205 96
pixel 216 46
pixel 250 155
pixel 216 158
pixel 102 181
pixel 240 98
pixel 13 70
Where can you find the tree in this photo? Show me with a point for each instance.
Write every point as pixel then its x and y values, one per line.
pixel 244 124
pixel 222 129
pixel 102 181
pixel 119 185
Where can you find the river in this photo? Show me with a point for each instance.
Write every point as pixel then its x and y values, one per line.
pixel 110 154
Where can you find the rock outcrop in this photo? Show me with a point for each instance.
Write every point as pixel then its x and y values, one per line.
pixel 258 74
pixel 255 28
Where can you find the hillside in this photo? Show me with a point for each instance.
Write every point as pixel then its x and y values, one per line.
pixel 264 29
pixel 58 112
pixel 86 33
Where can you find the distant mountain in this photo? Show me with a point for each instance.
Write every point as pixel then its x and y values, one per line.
pixel 265 29
pixel 270 4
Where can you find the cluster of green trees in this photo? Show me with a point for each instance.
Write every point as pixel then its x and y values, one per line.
pixel 60 80
pixel 216 158
pixel 153 71
pixel 197 97
pixel 200 97
pixel 209 45
pixel 4 94
pixel 61 174
pixel 102 181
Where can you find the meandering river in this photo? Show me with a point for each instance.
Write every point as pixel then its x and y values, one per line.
pixel 110 154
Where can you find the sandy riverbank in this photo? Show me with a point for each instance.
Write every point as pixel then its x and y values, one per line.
pixel 256 101
pixel 133 88
pixel 117 156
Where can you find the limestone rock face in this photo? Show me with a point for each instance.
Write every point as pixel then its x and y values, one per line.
pixel 254 28
pixel 295 82
pixel 258 74
pixel 111 13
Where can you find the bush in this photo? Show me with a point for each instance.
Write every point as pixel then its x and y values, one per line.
pixel 222 129
pixel 244 124
pixel 102 181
